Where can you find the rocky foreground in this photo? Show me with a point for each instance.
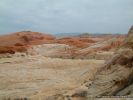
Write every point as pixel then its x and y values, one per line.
pixel 41 67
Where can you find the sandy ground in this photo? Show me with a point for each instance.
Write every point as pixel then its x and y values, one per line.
pixel 39 77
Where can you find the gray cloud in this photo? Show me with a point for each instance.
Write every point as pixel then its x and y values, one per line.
pixel 54 16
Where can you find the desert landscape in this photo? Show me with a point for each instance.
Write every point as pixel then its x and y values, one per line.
pixel 39 66
pixel 66 49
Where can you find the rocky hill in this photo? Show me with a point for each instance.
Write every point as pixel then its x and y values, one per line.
pixel 20 41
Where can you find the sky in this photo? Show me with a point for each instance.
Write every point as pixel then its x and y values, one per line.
pixel 66 16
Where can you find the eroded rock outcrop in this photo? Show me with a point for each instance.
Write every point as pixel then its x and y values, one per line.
pixel 117 73
pixel 115 78
pixel 129 39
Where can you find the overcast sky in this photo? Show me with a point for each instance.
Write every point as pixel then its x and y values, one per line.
pixel 57 16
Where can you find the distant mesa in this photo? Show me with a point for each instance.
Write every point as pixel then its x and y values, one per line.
pixel 83 35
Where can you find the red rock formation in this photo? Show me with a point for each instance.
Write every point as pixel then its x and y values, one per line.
pixel 20 41
pixel 26 39
pixel 76 42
